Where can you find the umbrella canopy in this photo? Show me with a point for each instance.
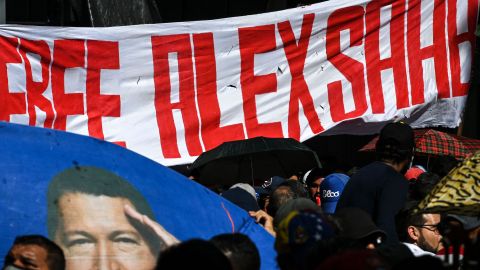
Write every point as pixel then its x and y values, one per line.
pixel 437 143
pixel 458 192
pixel 255 158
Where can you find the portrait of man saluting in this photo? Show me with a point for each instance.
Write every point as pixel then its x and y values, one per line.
pixel 94 216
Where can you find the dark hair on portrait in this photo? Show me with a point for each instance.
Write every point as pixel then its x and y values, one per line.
pixel 97 182
pixel 55 257
pixel 239 249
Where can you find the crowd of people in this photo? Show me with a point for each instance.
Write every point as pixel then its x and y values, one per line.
pixel 328 218
pixel 364 218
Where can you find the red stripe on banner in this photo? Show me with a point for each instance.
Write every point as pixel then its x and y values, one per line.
pixel 206 74
pixel 455 39
pixel 349 18
pixel 416 54
pixel 35 89
pixel 66 54
pixel 396 62
pixel 10 103
pixel 257 40
pixel 296 53
pixel 161 47
pixel 101 55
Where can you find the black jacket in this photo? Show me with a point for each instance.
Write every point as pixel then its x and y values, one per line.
pixel 379 190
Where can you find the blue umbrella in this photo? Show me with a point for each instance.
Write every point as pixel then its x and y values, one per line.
pixel 35 160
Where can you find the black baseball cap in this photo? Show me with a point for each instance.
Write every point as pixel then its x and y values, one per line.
pixel 397 134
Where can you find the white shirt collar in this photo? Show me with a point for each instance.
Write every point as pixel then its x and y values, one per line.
pixel 417 251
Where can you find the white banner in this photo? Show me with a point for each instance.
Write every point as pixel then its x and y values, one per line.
pixel 171 91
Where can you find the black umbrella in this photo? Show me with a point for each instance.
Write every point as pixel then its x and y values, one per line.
pixel 255 158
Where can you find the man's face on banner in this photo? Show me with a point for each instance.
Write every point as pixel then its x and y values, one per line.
pixel 94 233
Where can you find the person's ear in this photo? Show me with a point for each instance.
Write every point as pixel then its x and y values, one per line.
pixel 413 233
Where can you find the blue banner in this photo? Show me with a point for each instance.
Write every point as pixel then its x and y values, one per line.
pixel 75 189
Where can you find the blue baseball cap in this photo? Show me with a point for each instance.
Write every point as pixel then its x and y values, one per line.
pixel 330 190
pixel 270 185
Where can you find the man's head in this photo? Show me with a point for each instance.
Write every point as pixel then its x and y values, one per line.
pixel 265 190
pixel 241 198
pixel 414 172
pixel 35 252
pixel 420 188
pixel 396 143
pixel 422 230
pixel 297 187
pixel 86 217
pixel 279 197
pixel 330 190
pixel 298 204
pixel 358 228
pixel 313 180
pixel 239 249
pixel 193 254
pixel 297 236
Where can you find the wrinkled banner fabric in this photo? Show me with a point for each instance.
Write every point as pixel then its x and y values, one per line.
pixel 172 91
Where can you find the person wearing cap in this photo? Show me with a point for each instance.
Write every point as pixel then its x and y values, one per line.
pixel 380 188
pixel 330 190
pixel 357 226
pixel 243 196
pixel 414 172
pixel 299 204
pixel 313 179
pixel 297 235
pixel 265 191
pixel 279 191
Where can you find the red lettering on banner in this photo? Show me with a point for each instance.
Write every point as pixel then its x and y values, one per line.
pixel 256 40
pixel 35 89
pixel 296 54
pixel 161 46
pixel 350 18
pixel 397 60
pixel 454 39
pixel 66 54
pixel 101 55
pixel 10 103
pixel 416 54
pixel 206 74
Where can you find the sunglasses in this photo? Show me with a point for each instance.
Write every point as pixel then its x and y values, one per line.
pixel 431 227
